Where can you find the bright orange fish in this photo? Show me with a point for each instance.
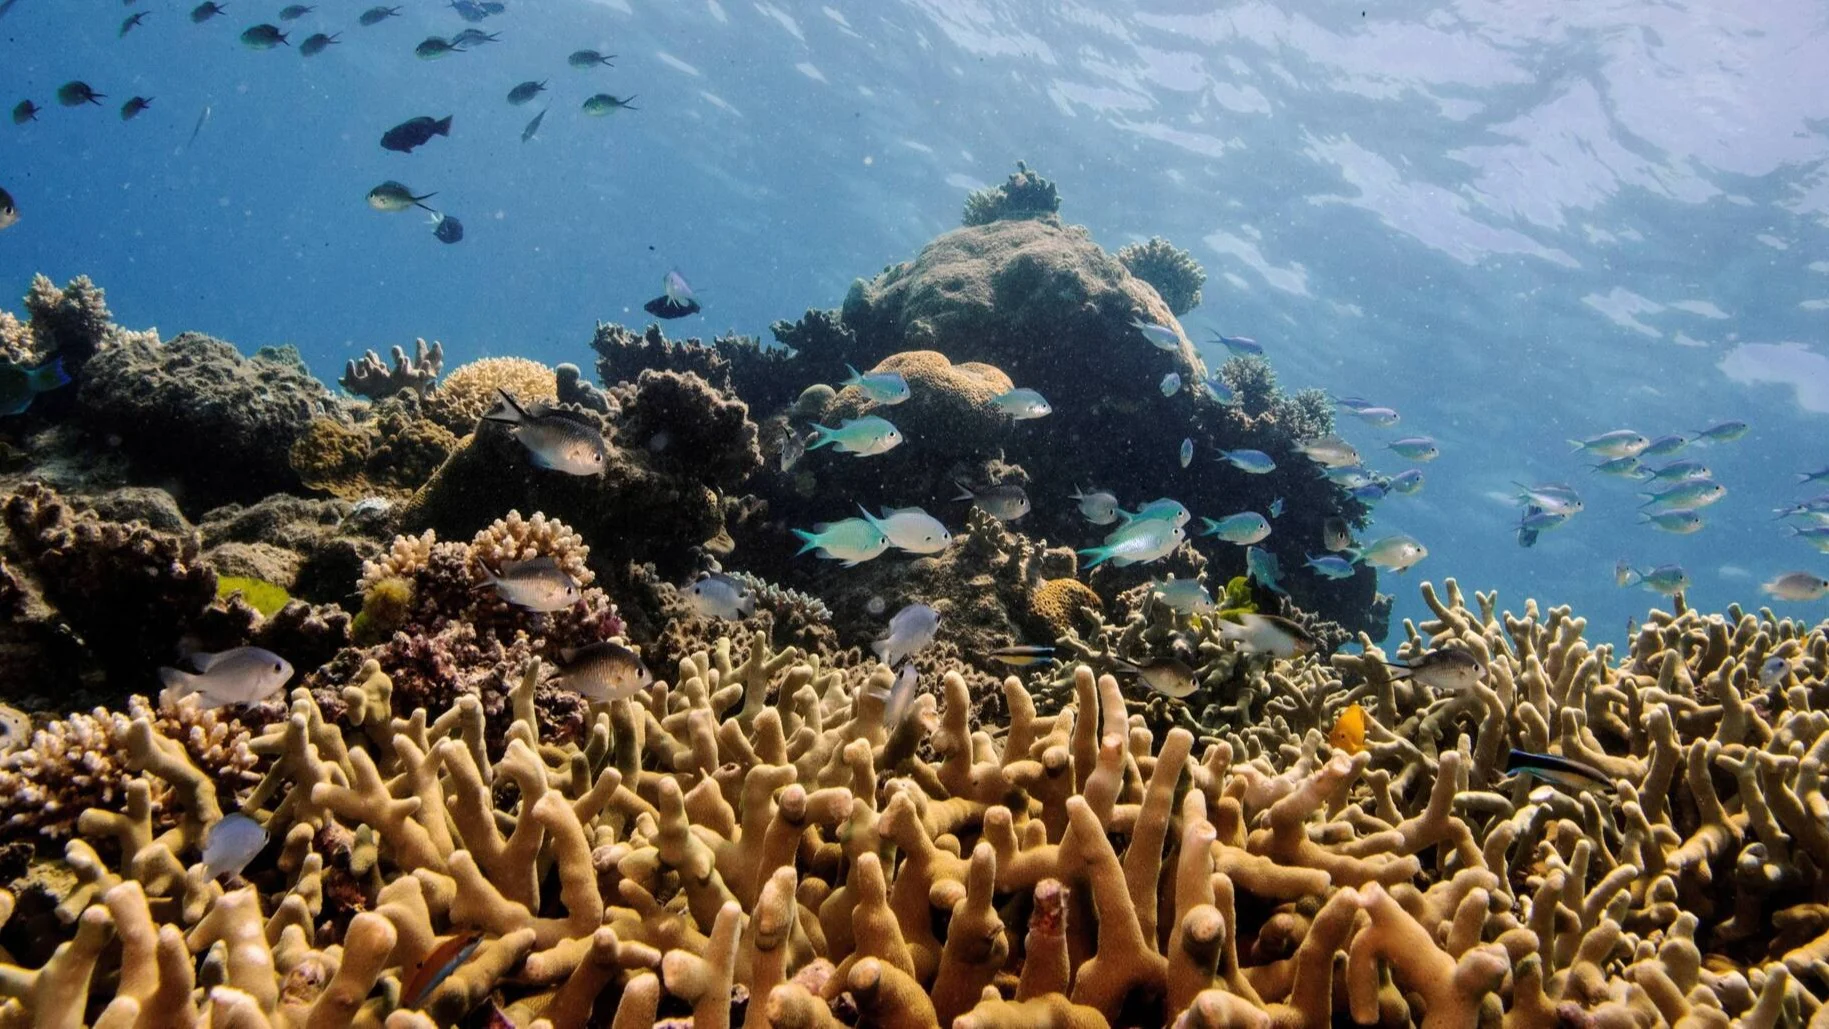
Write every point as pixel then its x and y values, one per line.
pixel 1348 734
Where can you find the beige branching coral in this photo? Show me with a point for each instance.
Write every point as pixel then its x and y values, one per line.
pixel 749 843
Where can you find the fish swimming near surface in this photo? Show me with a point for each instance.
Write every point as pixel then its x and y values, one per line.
pixel 9 217
pixel 1378 417
pixel 716 595
pixel 415 132
pixel 1168 676
pixel 865 437
pixel 1680 522
pixel 317 43
pixel 1244 528
pixel 599 104
pixel 475 37
pixel 911 630
pixel 1004 501
pixel 263 37
pixel 1254 461
pixel 1348 733
pixel 25 111
pixel 1162 337
pixel 1669 580
pixel 1240 346
pixel 676 300
pixel 886 388
pixel 533 129
pixel 205 11
pixel 852 541
pixel 1415 448
pixel 244 675
pixel 525 92
pixel 1618 443
pixel 469 10
pixel 1330 451
pixel 133 21
pixel 1022 404
pixel 1679 471
pixel 439 964
pixel 911 529
pixel 1557 771
pixel 1551 496
pixel 1266 634
pixel 1797 586
pixel 554 441
pixel 536 584
pixel 1686 496
pixel 392 196
pixel 294 12
pixel 432 48
pixel 446 228
pixel 77 93
pixel 1100 507
pixel 1446 668
pixel 1022 656
pixel 603 672
pixel 1406 482
pixel 377 15
pixel 132 108
pixel 1721 432
pixel 589 59
pixel 1397 553
pixel 232 845
pixel 1663 446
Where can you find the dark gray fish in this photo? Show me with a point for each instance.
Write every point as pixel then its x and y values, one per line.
pixel 1336 535
pixel 1445 668
pixel 25 111
pixel 263 37
pixel 533 127
pixel 552 440
pixel 317 44
pixel 432 48
pixel 447 229
pixel 294 12
pixel 415 132
pixel 393 196
pixel 9 216
pixel 76 94
pixel 132 108
pixel 588 59
pixel 1167 676
pixel 1557 771
pixel 203 116
pixel 603 103
pixel 377 15
pixel 232 845
pixel 1005 501
pixel 205 11
pixel 525 91
pixel 474 37
pixel 133 21
pixel 469 11
pixel 603 672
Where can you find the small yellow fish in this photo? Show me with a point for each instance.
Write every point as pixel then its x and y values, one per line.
pixel 1348 734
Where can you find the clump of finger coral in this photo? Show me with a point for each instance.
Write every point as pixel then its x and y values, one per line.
pixel 371 377
pixel 472 389
pixel 71 324
pixel 1170 270
pixel 755 839
pixel 1023 195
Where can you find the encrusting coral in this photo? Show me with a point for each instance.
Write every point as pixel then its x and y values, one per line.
pixel 749 842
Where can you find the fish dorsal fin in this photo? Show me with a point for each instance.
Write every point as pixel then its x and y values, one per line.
pixel 538 563
pixel 568 654
pixel 204 662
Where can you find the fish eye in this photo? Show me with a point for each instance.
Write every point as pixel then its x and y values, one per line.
pixel 277 666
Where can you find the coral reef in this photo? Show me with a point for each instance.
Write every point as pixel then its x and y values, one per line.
pixel 470 390
pixel 691 430
pixel 1023 195
pixel 948 406
pixel 732 364
pixel 389 450
pixel 1170 270
pixel 373 378
pixel 197 413
pixel 312 548
pixel 71 323
pixel 750 842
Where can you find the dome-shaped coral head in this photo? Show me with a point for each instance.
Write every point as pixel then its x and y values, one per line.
pixel 553 439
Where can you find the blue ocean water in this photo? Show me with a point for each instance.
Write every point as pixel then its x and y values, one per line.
pixel 1513 223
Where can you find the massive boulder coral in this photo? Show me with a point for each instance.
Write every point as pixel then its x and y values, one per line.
pixel 754 843
pixel 217 424
pixel 388 450
pixel 473 388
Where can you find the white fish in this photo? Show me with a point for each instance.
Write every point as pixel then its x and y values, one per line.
pixel 1331 451
pixel 1396 553
pixel 901 698
pixel 553 441
pixel 537 584
pixel 233 843
pixel 245 675
pixel 1187 452
pixel 717 595
pixel 1100 507
pixel 911 529
pixel 1160 336
pixel 1267 634
pixel 1797 586
pixel 1187 596
pixel 1171 384
pixel 910 631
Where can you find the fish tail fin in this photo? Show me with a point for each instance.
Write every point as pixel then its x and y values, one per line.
pixel 1078 493
pixel 48 376
pixel 1099 556
pixel 965 492
pixel 1397 671
pixel 808 541
pixel 1575 445
pixel 855 379
pixel 822 435
pixel 178 683
pixel 507 410
pixel 442 126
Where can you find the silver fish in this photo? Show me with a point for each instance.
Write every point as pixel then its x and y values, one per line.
pixel 1005 501
pixel 603 672
pixel 719 596
pixel 552 440
pixel 1445 668
pixel 245 675
pixel 537 584
pixel 910 631
pixel 1100 507
pixel 901 698
pixel 793 448
pixel 1167 676
pixel 233 844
